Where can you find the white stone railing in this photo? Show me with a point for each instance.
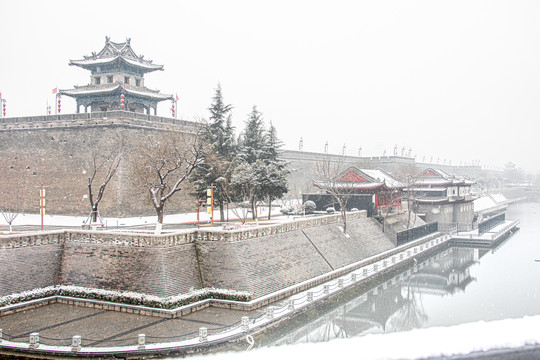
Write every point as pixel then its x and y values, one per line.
pixel 309 297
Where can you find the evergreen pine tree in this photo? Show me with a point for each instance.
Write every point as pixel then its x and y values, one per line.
pixel 216 167
pixel 276 185
pixel 253 140
pixel 260 149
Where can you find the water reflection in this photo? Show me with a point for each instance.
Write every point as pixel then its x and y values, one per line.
pixel 396 304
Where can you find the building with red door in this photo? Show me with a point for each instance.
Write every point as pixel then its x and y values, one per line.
pixel 384 189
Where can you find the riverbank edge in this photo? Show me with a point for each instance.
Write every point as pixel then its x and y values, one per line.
pixel 380 264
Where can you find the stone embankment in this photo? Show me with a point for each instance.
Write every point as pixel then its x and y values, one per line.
pixel 311 292
pixel 259 260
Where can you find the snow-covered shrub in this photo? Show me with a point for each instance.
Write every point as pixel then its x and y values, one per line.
pixel 125 297
pixel 309 207
pixel 330 210
pixel 354 209
pixel 287 210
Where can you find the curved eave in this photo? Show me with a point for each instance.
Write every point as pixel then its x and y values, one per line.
pixel 145 94
pixel 90 64
pixel 352 187
pixel 81 92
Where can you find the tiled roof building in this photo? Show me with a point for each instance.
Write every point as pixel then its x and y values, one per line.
pixel 116 81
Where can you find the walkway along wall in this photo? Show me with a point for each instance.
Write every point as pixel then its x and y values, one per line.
pixel 259 260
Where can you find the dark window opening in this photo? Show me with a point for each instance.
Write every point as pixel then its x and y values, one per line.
pixel 98 80
pixel 109 79
pixel 138 82
pixel 126 79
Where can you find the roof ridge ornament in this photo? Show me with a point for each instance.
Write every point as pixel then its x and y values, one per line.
pixel 107 39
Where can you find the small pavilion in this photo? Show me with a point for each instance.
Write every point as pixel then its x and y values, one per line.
pixel 116 81
pixel 385 189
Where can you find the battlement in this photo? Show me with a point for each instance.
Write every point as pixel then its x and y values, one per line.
pixel 116 117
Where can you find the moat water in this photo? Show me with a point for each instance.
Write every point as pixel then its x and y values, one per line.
pixel 456 285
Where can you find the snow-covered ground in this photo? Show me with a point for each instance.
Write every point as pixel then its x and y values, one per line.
pixel 77 221
pixel 437 342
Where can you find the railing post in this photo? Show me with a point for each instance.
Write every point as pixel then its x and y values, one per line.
pixel 141 341
pixel 326 289
pixel 270 312
pixel 291 304
pixel 76 343
pixel 34 340
pixel 203 334
pixel 245 323
pixel 353 277
pixel 340 282
pixel 310 296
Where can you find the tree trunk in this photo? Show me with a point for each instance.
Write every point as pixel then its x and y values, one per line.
pixel 344 216
pixel 160 215
pixel 253 210
pixel 221 212
pixel 94 214
pixel 159 223
pixel 269 208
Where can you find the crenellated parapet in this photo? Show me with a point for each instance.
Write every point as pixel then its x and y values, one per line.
pixel 167 240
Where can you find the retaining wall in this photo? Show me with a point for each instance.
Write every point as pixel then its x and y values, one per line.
pixel 259 260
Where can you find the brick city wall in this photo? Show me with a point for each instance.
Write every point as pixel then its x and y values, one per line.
pixel 59 155
pixel 253 260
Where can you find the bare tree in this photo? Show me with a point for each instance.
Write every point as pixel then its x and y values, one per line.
pixel 11 210
pixel 390 198
pixel 9 214
pixel 109 165
pixel 326 173
pixel 408 175
pixel 165 163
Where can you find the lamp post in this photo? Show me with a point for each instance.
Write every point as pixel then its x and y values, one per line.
pixel 42 202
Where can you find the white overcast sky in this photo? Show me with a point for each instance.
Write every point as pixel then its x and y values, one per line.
pixel 455 80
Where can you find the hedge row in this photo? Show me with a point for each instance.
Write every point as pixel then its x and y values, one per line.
pixel 125 297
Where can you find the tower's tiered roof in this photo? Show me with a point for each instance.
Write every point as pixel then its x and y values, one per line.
pixel 116 53
pixel 117 81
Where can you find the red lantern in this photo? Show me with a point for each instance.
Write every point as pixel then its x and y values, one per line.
pixel 122 96
pixel 122 106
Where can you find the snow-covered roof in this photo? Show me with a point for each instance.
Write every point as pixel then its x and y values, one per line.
pixel 90 90
pixel 484 203
pixel 490 201
pixel 350 185
pixel 152 94
pixel 107 89
pixel 383 176
pixel 438 177
pixel 499 198
pixel 115 52
pixel 355 178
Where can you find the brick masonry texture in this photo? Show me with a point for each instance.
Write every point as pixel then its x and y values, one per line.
pixel 365 239
pixel 60 158
pixel 28 268
pixel 156 271
pixel 260 265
